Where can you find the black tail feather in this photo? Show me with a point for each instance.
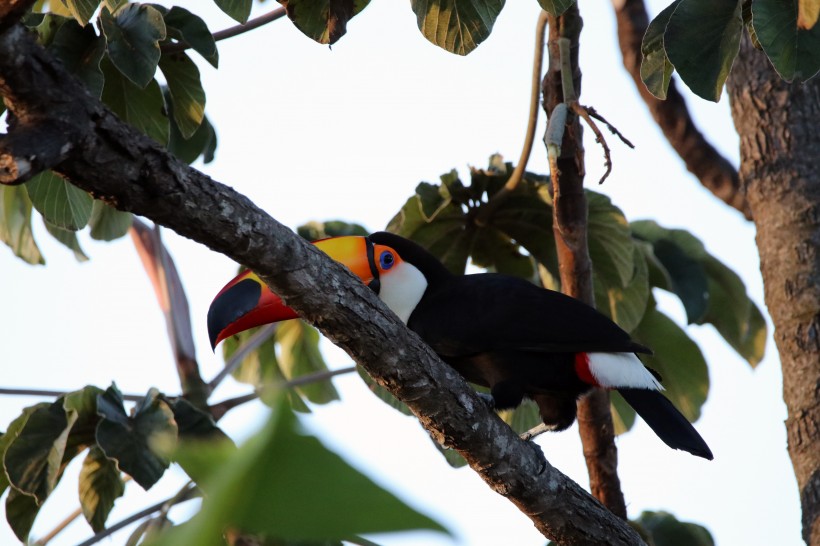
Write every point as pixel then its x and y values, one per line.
pixel 667 422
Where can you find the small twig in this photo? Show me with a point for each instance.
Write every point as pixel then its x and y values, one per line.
pixel 537 430
pixel 535 94
pixel 612 129
pixel 219 409
pixel 179 498
pixel 257 339
pixel 599 137
pixel 57 394
pixel 230 32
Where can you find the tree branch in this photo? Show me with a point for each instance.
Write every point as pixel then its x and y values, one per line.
pixel 570 227
pixel 701 159
pixel 230 32
pixel 112 160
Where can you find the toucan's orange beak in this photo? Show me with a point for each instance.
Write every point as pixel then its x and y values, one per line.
pixel 246 301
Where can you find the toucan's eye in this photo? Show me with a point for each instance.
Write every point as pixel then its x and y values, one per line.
pixel 386 260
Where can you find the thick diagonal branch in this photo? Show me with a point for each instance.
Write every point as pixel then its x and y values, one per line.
pixel 713 170
pixel 131 171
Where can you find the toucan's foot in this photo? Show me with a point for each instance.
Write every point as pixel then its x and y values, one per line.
pixel 487 399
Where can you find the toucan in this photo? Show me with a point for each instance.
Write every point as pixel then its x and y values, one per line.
pixel 502 332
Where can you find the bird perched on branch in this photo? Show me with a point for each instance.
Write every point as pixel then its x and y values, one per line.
pixel 498 331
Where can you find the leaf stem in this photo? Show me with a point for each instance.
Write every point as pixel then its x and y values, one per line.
pixel 230 32
pixel 535 93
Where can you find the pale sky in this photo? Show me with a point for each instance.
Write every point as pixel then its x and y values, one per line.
pixel 310 133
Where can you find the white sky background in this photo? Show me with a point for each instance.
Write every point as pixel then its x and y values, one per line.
pixel 310 133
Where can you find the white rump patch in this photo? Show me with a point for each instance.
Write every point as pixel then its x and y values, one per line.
pixel 402 288
pixel 613 370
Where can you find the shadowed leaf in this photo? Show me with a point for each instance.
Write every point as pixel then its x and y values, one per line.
pixel 794 50
pixel 144 108
pixel 100 485
pixel 656 70
pixel 185 90
pixel 324 21
pixel 238 10
pixel 133 34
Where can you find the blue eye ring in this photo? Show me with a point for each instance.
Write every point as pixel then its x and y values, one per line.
pixel 386 260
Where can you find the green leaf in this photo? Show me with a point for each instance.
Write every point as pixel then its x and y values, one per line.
pixel 21 510
pixel 300 355
pixel 383 394
pixel 623 416
pixel 15 224
pixel 285 479
pixel 186 92
pixel 494 251
pixel 138 444
pixel 193 423
pixel 142 108
pixel 666 530
pixel 33 460
pixel 68 238
pixel 457 26
pixel 681 254
pixel 202 142
pixel 81 407
pixel 677 359
pixel 81 10
pixel 188 28
pixel 793 50
pixel 100 485
pixel 610 238
pixel 81 50
pixel 702 40
pixel 656 70
pixel 313 231
pixel 60 202
pixel 133 33
pixel 238 10
pixel 324 21
pixel 108 223
pixel 555 7
pixel 48 27
pixel 624 303
pixel 11 434
pixel 522 418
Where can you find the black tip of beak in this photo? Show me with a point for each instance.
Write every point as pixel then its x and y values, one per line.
pixel 231 305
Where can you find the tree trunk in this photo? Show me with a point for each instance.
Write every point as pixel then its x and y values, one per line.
pixel 779 143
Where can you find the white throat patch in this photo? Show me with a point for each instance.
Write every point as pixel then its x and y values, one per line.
pixel 402 288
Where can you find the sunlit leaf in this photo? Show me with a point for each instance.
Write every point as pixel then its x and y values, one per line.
pixel 454 25
pixel 793 49
pixel 324 21
pixel 138 444
pixel 60 202
pixel 142 108
pixel 702 40
pixel 133 33
pixel 285 479
pixel 185 90
pixel 666 530
pixel 313 231
pixel 656 70
pixel 15 224
pixel 100 485
pixel 808 13
pixel 81 10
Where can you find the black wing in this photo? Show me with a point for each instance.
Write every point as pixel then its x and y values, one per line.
pixel 488 312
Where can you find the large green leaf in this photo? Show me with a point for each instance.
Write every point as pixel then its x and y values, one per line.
pixel 15 224
pixel 666 530
pixel 67 238
pixel 678 359
pixel 624 303
pixel 48 27
pixel 202 142
pixel 656 70
pixel 81 408
pixel 81 10
pixel 458 26
pixel 702 40
pixel 100 485
pixel 313 231
pixel 142 108
pixel 33 460
pixel 21 510
pixel 138 444
pixel 300 355
pixel 278 482
pixel 108 223
pixel 324 21
pixel 555 7
pixel 495 251
pixel 188 28
pixel 186 92
pixel 60 202
pixel 13 430
pixel 610 239
pixel 527 219
pixel 794 51
pixel 238 10
pixel 81 50
pixel 133 33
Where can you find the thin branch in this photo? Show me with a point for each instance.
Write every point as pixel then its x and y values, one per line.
pixel 532 121
pixel 537 430
pixel 57 394
pixel 612 129
pixel 59 528
pixel 230 32
pixel 599 137
pixel 258 338
pixel 182 496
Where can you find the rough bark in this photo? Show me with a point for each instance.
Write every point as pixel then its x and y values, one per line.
pixel 114 162
pixel 570 227
pixel 713 170
pixel 779 143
